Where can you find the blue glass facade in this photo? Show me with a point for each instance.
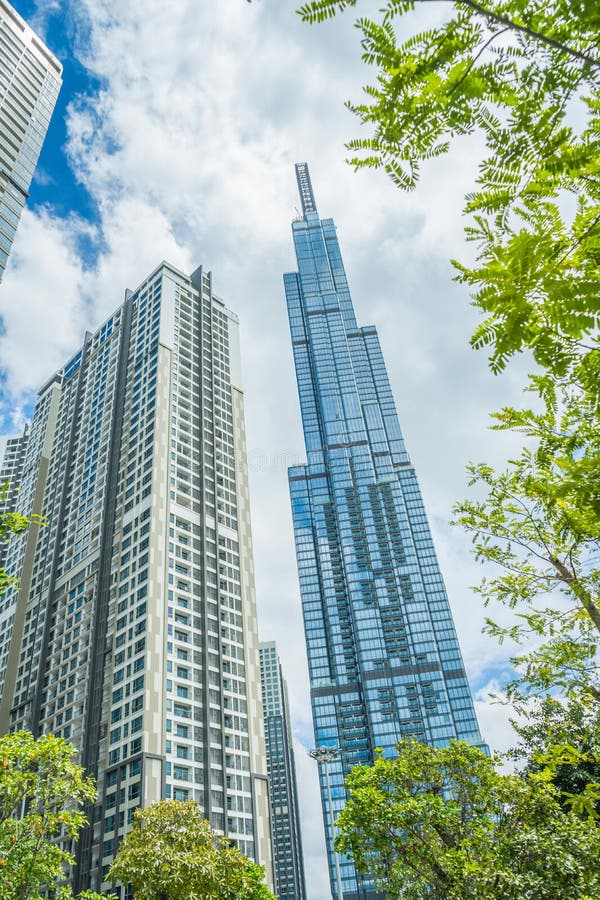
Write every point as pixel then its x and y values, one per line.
pixel 30 79
pixel 383 655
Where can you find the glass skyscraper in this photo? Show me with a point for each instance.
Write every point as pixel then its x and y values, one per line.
pixel 30 79
pixel 383 655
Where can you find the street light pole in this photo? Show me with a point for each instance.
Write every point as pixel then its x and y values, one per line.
pixel 324 756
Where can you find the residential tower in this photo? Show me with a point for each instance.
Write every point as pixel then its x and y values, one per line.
pixel 288 862
pixel 133 632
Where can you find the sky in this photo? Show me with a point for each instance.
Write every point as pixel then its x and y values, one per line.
pixel 175 137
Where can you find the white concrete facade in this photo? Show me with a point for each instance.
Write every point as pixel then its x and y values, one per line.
pixel 135 627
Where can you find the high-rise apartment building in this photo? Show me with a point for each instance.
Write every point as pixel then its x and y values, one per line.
pixel 133 634
pixel 12 459
pixel 383 656
pixel 288 862
pixel 30 79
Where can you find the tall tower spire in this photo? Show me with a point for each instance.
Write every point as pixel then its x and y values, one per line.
pixel 383 656
pixel 307 197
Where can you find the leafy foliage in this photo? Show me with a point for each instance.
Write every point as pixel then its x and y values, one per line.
pixel 540 523
pixel 443 823
pixel 525 74
pixel 563 741
pixel 171 853
pixel 42 791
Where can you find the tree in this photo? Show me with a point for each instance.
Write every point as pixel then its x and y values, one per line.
pixel 526 75
pixel 42 791
pixel 442 823
pixel 539 522
pixel 563 741
pixel 171 853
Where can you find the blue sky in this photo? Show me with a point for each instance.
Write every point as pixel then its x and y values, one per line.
pixel 174 138
pixel 55 182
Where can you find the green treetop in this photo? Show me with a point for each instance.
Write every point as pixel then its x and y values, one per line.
pixel 171 853
pixel 443 824
pixel 42 792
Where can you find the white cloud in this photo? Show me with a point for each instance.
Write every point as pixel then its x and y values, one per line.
pixel 495 716
pixel 187 151
pixel 40 304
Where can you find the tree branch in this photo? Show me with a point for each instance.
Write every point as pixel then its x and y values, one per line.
pixel 576 244
pixel 594 691
pixel 308 13
pixel 476 57
pixel 530 32
pixel 580 592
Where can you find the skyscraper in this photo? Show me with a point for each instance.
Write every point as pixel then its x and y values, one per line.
pixel 12 459
pixel 133 634
pixel 384 660
pixel 30 79
pixel 285 815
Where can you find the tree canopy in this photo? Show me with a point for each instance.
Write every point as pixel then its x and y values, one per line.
pixel 539 523
pixel 171 853
pixel 443 823
pixel 42 792
pixel 563 741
